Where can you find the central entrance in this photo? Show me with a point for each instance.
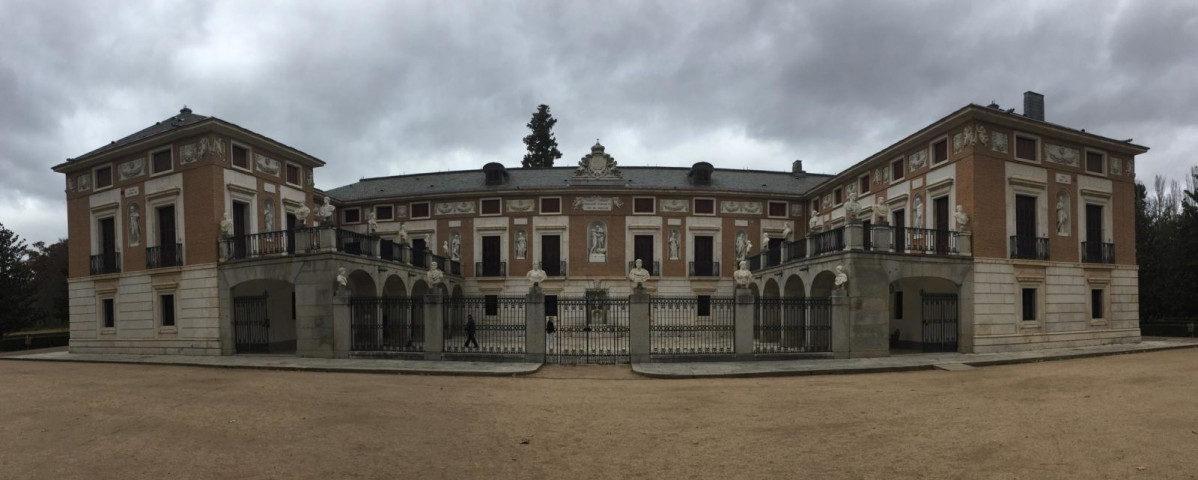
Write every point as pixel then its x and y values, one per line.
pixel 590 330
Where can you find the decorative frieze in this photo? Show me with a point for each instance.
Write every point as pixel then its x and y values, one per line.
pixel 918 159
pixel 133 168
pixel 596 203
pixel 734 206
pixel 674 205
pixel 267 165
pixel 455 208
pixel 998 142
pixel 521 205
pixel 1116 166
pixel 1061 154
pixel 194 152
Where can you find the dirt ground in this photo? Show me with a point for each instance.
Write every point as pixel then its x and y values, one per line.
pixel 1128 416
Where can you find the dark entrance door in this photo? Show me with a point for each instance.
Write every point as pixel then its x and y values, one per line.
pixel 108 245
pixel 940 214
pixel 775 251
pixel 939 322
pixel 1025 227
pixel 900 230
pixel 292 222
pixel 419 258
pixel 590 330
pixel 240 229
pixel 551 255
pixel 867 234
pixel 491 256
pixel 703 256
pixel 642 249
pixel 1094 233
pixel 167 239
pixel 251 326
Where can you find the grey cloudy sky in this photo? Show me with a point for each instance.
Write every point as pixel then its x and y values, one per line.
pixel 382 88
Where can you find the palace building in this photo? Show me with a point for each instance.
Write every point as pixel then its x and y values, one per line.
pixel 984 231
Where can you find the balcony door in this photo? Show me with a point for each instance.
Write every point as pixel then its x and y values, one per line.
pixel 551 255
pixel 940 220
pixel 167 240
pixel 491 256
pixel 108 244
pixel 642 249
pixel 419 245
pixel 1094 233
pixel 241 221
pixel 900 234
pixel 775 251
pixel 292 222
pixel 704 255
pixel 1025 226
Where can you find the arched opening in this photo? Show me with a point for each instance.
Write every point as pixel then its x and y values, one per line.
pixel 794 287
pixel 793 313
pixel 823 284
pixel 924 315
pixel 361 284
pixel 419 289
pixel 264 316
pixel 394 287
pixel 768 327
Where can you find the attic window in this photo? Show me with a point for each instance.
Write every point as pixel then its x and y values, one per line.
pixel 495 173
pixel 700 174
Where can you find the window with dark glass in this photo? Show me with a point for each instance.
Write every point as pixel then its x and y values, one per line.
pixel 420 210
pixel 293 174
pixel 491 305
pixel 353 215
pixel 1094 162
pixel 384 212
pixel 103 177
pixel 241 157
pixel 705 206
pixel 1029 304
pixel 815 203
pixel 898 305
pixel 704 306
pixel 863 183
pixel 491 206
pixel 550 305
pixel 940 151
pixel 1096 304
pixel 777 209
pixel 109 313
pixel 167 304
pixel 896 169
pixel 1025 148
pixel 551 205
pixel 837 196
pixel 643 205
pixel 160 161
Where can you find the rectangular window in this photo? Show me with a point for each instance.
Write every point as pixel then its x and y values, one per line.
pixel 167 305
pixel 837 196
pixel 1025 148
pixel 293 174
pixel 1096 304
pixel 241 157
pixel 420 210
pixel 704 308
pixel 1094 162
pixel 160 161
pixel 940 151
pixel 491 305
pixel 863 184
pixel 551 205
pixel 103 177
pixel 815 203
pixel 896 170
pixel 352 215
pixel 109 313
pixel 644 205
pixel 491 206
pixel 898 305
pixel 1029 304
pixel 550 305
pixel 777 209
pixel 704 206
pixel 384 212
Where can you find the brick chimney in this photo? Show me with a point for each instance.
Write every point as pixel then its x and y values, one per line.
pixel 796 168
pixel 1033 105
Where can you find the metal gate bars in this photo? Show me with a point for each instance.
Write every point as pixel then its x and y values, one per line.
pixel 939 322
pixel 686 328
pixel 251 327
pixel 393 324
pixel 590 330
pixel 792 325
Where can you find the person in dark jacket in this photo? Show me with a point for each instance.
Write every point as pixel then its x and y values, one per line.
pixel 471 328
pixel 550 329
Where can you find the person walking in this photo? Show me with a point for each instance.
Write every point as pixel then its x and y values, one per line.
pixel 471 328
pixel 550 329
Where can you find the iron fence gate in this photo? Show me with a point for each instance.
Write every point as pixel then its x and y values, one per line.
pixel 590 330
pixel 939 322
pixel 389 324
pixel 499 325
pixel 792 325
pixel 251 326
pixel 684 327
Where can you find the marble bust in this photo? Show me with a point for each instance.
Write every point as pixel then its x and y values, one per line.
pixel 536 275
pixel 881 210
pixel 638 275
pixel 742 275
pixel 342 277
pixel 325 211
pixel 841 277
pixel 226 225
pixel 302 213
pixel 962 219
pixel 434 274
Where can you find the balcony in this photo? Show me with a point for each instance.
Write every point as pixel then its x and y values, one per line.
pixel 490 269
pixel 653 267
pixel 827 242
pixel 1098 252
pixel 555 269
pixel 703 269
pixel 796 250
pixel 106 263
pixel 1029 248
pixel 164 256
pixel 257 245
pixel 925 240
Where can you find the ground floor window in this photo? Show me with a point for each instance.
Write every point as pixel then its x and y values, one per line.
pixel 166 305
pixel 109 312
pixel 1096 304
pixel 1029 304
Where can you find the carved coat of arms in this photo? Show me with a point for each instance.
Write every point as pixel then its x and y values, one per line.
pixel 597 165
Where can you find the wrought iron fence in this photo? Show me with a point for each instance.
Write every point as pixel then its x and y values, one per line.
pixel 926 240
pixel 170 255
pixel 831 241
pixel 792 325
pixel 692 326
pixel 589 330
pixel 257 244
pixel 388 324
pixel 1098 252
pixel 355 243
pixel 1029 248
pixel 105 263
pixel 498 325
pixel 703 269
pixel 939 322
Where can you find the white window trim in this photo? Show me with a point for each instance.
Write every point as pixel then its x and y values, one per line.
pixel 714 207
pixel 480 207
pixel 158 293
pixel 345 215
pixel 540 205
pixel 1030 188
pixel 412 211
pixel 836 203
pixel 785 208
pixel 932 151
pixel 1015 147
pixel 1106 162
pixel 299 167
pixel 1103 284
pixel 903 168
pixel 1041 314
pixel 379 218
pixel 150 161
pixel 1101 199
pixel 111 177
pixel 869 185
pixel 152 204
pixel 100 297
pixel 240 194
pixel 653 212
pixel 477 248
pixel 249 156
pixel 717 248
pixel 99 213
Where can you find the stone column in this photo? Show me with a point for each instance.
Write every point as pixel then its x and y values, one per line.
pixel 314 317
pixel 327 238
pixel 745 311
pixel 853 236
pixel 811 244
pixel 638 325
pixel 534 325
pixel 434 323
pixel 375 248
pixel 842 325
pixel 341 320
pixel 882 237
pixel 965 244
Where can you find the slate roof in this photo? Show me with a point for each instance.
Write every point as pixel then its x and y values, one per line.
pixel 635 178
pixel 184 118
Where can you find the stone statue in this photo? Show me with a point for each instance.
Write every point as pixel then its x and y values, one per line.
pixel 445 248
pixel 918 219
pixel 638 275
pixel 226 225
pixel 742 246
pixel 786 231
pixel 372 223
pixel 882 211
pixel 434 274
pixel 1063 213
pixel 852 209
pixel 342 277
pixel 765 241
pixel 302 214
pixel 841 277
pixel 536 275
pixel 962 219
pixel 813 224
pixel 269 215
pixel 455 246
pixel 742 275
pixel 674 245
pixel 134 224
pixel 325 211
pixel 598 244
pixel 402 235
pixel 521 244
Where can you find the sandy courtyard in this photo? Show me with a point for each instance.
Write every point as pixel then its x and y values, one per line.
pixel 1128 416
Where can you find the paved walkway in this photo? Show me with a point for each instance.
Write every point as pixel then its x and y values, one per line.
pixel 898 363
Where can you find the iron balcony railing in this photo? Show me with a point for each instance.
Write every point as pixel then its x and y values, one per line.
pixel 831 241
pixel 455 268
pixel 555 269
pixel 926 240
pixel 258 244
pixel 170 255
pixel 420 258
pixel 355 243
pixel 490 269
pixel 704 269
pixel 1029 248
pixel 653 267
pixel 1098 252
pixel 106 263
pixel 796 250
pixel 754 262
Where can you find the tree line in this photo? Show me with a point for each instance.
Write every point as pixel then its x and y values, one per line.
pixel 33 284
pixel 1167 249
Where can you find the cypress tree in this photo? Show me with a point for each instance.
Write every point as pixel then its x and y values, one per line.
pixel 542 147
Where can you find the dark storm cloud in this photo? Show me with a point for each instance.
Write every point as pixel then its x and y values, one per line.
pixel 382 88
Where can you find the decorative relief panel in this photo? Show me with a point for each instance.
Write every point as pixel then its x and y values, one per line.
pixel 675 205
pixel 958 142
pixel 455 208
pixel 596 203
pixel 598 165
pixel 401 211
pixel 194 152
pixel 132 168
pixel 267 165
pixel 731 206
pixel 918 160
pixel 1116 166
pixel 998 142
pixel 521 205
pixel 1062 155
pixel 84 182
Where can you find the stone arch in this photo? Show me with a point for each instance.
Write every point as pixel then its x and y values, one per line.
pixel 457 292
pixel 361 284
pixel 771 289
pixel 755 290
pixel 905 307
pixel 823 284
pixel 419 289
pixel 277 310
pixel 394 287
pixel 794 287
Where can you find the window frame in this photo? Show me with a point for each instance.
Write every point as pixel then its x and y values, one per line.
pixel 541 205
pixel 771 203
pixel 1104 166
pixel 838 196
pixel 380 218
pixel 652 211
pixel 932 147
pixel 249 156
pixel 345 215
pixel 96 177
pixel 1036 149
pixel 103 313
pixel 170 161
pixel 901 172
pixel 695 206
pixel 864 184
pixel 299 172
pixel 160 310
pixel 482 211
pixel 412 210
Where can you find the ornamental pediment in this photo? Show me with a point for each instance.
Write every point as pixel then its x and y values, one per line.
pixel 597 167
